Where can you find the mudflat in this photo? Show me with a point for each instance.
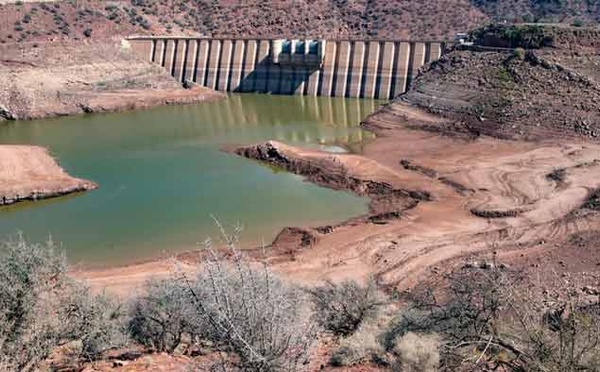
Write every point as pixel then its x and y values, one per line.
pixel 31 173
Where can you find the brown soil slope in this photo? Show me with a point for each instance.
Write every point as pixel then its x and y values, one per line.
pixel 30 173
pixel 66 78
pixel 549 90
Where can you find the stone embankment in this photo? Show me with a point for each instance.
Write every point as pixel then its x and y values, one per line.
pixel 342 68
pixel 30 173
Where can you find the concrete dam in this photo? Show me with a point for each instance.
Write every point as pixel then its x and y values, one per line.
pixel 343 68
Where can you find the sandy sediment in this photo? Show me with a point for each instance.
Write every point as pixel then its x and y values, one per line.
pixel 31 173
pixel 436 201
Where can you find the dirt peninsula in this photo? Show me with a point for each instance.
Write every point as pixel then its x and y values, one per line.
pixel 31 173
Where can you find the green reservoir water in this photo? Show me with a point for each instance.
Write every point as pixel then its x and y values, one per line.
pixel 162 175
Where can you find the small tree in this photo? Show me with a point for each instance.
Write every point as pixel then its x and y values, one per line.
pixel 342 308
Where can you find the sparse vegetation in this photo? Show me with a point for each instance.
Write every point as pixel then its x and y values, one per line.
pixel 577 23
pixel 513 36
pixel 342 308
pixel 163 316
pixel 519 53
pixel 488 317
pixel 362 346
pixel 558 175
pixel 480 315
pixel 418 352
pixel 41 308
pixel 593 201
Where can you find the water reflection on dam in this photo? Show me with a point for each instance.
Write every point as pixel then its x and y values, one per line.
pixel 335 120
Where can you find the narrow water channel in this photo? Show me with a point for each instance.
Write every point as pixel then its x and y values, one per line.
pixel 162 175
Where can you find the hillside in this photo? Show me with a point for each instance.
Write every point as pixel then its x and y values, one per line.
pixel 501 89
pixel 287 18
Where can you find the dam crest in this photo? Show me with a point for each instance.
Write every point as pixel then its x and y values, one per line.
pixel 314 67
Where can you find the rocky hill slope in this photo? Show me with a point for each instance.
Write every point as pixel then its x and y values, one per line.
pixel 287 18
pixel 499 88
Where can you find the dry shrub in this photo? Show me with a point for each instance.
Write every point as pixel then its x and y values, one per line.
pixel 41 308
pixel 362 346
pixel 418 352
pixel 490 317
pixel 163 315
pixel 342 307
pixel 261 322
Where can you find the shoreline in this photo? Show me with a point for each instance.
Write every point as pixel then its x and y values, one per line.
pixel 423 189
pixel 121 101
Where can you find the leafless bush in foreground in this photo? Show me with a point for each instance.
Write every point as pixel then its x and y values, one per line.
pixel 342 308
pixel 263 321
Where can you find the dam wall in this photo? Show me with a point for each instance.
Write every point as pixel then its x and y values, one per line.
pixel 343 68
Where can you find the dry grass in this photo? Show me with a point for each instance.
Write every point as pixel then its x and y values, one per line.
pixel 419 352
